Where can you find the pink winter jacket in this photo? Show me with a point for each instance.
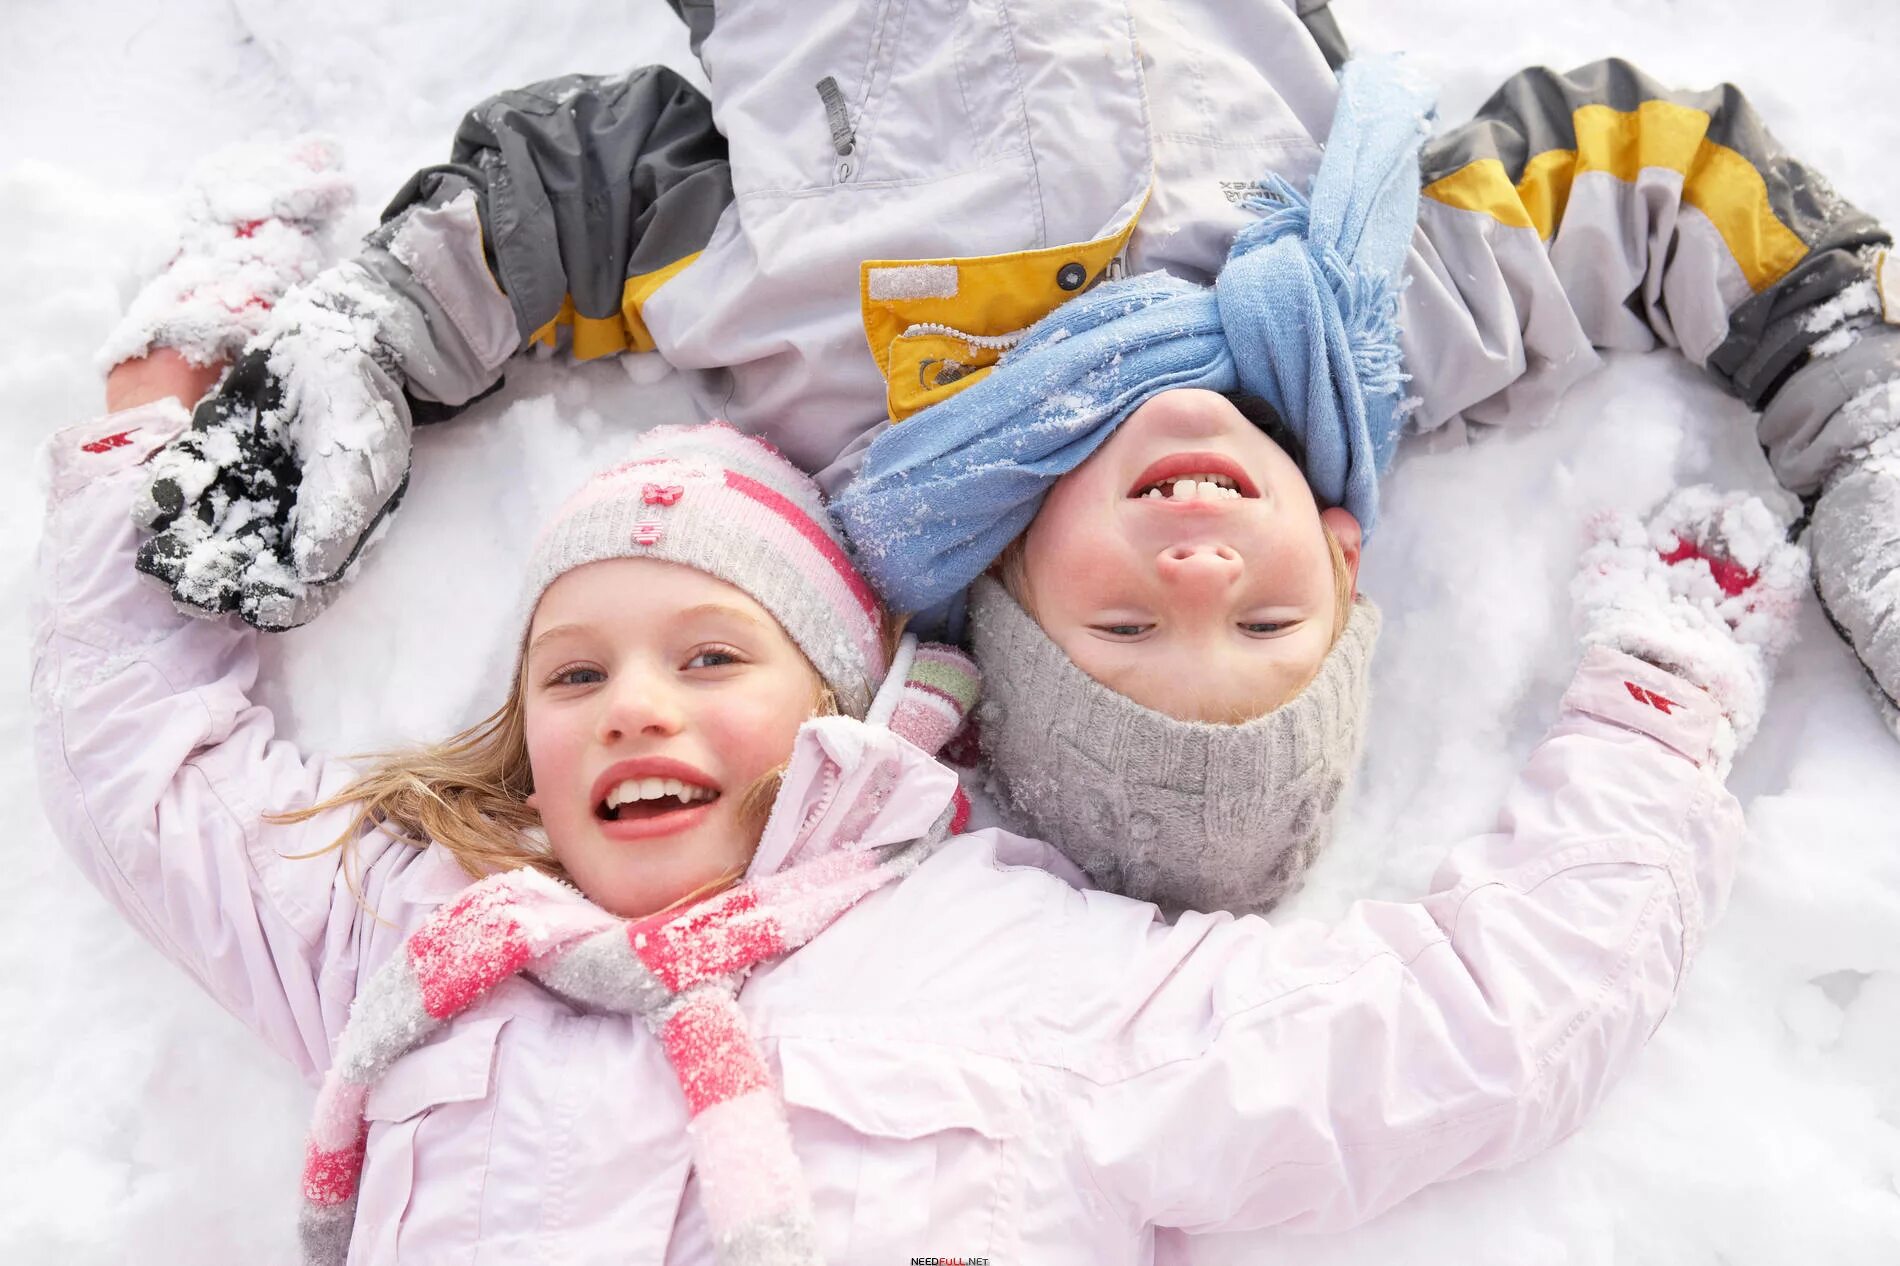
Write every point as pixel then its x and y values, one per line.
pixel 982 1060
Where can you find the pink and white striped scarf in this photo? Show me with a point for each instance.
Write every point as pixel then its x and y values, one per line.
pixel 680 973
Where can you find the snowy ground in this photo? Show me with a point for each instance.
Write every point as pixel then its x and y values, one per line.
pixel 138 1122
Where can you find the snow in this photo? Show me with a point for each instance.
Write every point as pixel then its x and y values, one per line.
pixel 1761 1126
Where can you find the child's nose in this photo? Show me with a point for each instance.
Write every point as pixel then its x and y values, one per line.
pixel 1199 571
pixel 640 707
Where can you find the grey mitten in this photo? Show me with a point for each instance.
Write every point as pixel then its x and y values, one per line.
pixel 1832 433
pixel 1855 537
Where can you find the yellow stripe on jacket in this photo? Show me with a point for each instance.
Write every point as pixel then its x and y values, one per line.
pixel 1717 181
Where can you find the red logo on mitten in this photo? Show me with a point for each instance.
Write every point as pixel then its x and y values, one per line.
pixel 1651 698
pixel 109 442
pixel 661 494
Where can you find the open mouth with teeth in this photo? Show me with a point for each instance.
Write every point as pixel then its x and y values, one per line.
pixel 1194 477
pixel 639 798
pixel 1192 488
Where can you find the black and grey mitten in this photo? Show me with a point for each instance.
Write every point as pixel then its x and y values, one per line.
pixel 272 494
pixel 291 466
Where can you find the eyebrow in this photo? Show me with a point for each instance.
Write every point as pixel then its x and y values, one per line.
pixel 722 609
pixel 694 612
pixel 556 631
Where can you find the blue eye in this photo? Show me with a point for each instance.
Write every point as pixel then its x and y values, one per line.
pixel 1123 630
pixel 566 676
pixel 1260 627
pixel 714 657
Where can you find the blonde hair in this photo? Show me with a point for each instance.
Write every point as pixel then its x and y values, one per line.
pixel 1345 585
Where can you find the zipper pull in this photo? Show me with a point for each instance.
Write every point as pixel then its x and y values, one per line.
pixel 843 138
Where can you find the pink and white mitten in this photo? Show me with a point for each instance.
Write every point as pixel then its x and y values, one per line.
pixel 255 223
pixel 1707 588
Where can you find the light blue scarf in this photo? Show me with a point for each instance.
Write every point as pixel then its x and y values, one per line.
pixel 1303 314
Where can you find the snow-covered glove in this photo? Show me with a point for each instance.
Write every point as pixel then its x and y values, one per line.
pixel 1707 589
pixel 1855 535
pixel 272 496
pixel 255 222
pixel 266 501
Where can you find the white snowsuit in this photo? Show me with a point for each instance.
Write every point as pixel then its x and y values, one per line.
pixel 980 1060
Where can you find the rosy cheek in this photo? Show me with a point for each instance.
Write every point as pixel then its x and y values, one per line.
pixel 1074 561
pixel 760 737
pixel 1307 569
pixel 553 750
pixel 1074 504
pixel 752 728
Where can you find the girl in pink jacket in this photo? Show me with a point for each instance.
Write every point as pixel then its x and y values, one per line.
pixel 888 1039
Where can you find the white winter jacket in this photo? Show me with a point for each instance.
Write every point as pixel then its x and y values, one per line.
pixel 876 199
pixel 983 1060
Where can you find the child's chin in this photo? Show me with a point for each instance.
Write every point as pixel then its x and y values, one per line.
pixel 640 901
pixel 638 877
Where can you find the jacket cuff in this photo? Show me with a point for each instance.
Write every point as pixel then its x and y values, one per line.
pixel 1637 695
pixel 86 452
pixel 451 326
pixel 1807 428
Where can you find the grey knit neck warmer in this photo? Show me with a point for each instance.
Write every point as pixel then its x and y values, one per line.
pixel 1187 814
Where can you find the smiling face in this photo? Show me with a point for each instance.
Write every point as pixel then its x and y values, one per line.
pixel 1209 600
pixel 671 693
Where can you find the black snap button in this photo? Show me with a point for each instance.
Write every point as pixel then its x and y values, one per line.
pixel 1071 276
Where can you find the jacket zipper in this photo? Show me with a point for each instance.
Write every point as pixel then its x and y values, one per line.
pixel 989 342
pixel 844 140
pixel 828 782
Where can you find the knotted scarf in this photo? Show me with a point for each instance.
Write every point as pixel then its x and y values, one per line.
pixel 1302 314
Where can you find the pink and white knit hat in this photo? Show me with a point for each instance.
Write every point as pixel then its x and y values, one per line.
pixel 715 499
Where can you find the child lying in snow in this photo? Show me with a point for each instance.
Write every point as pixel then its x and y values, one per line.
pixel 501 1056
pixel 1588 209
pixel 1177 662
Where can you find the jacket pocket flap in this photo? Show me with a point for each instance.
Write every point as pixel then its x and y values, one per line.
pixel 903 1092
pixel 928 368
pixel 455 1069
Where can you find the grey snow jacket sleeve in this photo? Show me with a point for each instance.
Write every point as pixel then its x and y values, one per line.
pixel 1596 209
pixel 591 193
